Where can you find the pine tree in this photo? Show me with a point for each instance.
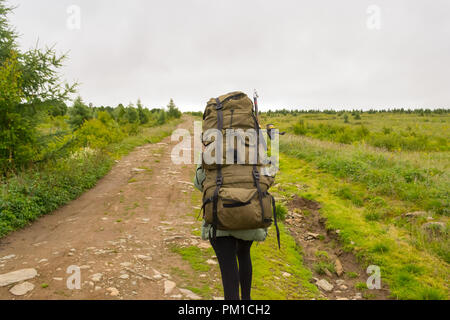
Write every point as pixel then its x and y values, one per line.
pixel 143 118
pixel 79 113
pixel 27 80
pixel 173 111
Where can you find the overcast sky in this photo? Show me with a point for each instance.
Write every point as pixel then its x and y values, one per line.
pixel 297 54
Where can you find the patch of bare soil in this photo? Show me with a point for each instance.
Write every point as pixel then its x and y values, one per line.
pixel 335 272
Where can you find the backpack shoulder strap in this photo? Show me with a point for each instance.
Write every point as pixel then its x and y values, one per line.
pixel 219 179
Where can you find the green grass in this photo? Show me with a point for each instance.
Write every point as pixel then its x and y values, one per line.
pixel 195 256
pixel 269 263
pixel 423 187
pixel 387 138
pixel 390 131
pixel 324 263
pixel 321 267
pixel 373 242
pixel 382 185
pixel 361 286
pixel 281 211
pixel 323 255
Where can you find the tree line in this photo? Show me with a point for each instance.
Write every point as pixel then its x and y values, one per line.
pixel 355 111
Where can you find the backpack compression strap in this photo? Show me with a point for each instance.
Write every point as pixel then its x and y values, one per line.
pixel 256 175
pixel 219 180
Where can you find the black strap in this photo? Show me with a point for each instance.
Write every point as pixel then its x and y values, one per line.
pixel 274 207
pixel 219 157
pixel 219 110
pixel 205 202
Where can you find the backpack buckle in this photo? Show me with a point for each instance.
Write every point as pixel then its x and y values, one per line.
pixel 256 174
pixel 219 181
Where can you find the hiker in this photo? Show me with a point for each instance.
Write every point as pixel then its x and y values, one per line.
pixel 236 204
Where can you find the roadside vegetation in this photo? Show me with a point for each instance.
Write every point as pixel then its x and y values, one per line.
pixel 389 201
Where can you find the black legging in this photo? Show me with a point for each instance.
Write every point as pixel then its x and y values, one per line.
pixel 227 249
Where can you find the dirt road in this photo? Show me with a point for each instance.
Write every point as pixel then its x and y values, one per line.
pixel 118 234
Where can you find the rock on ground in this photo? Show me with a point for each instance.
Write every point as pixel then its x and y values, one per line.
pixel 97 277
pixel 434 227
pixel 189 294
pixel 325 285
pixel 416 214
pixel 22 289
pixel 11 256
pixel 169 286
pixel 113 292
pixel 204 245
pixel 17 276
pixel 338 267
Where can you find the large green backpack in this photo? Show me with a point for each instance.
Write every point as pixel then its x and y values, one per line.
pixel 235 196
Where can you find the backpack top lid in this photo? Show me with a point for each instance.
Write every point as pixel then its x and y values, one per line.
pixel 237 101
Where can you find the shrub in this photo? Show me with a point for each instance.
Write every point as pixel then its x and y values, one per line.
pixel 99 133
pixel 162 118
pixel 346 118
pixel 300 128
